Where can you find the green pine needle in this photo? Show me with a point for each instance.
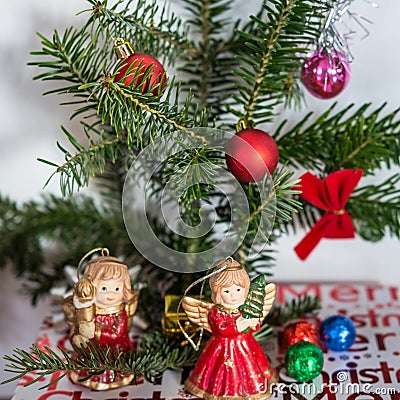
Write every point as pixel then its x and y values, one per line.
pixel 296 308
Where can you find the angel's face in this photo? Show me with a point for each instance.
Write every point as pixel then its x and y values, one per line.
pixel 109 293
pixel 232 296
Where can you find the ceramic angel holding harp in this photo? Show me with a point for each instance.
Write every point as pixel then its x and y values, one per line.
pixel 232 364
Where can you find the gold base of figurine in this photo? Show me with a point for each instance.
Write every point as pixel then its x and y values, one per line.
pixel 96 385
pixel 207 396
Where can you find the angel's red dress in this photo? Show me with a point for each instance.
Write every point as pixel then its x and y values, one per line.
pixel 232 364
pixel 111 331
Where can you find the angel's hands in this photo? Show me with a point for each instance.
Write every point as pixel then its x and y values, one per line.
pixel 243 323
pixel 86 332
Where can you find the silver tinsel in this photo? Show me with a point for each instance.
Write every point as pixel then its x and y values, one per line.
pixel 340 25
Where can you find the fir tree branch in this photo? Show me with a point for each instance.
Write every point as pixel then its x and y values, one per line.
pixel 368 141
pixel 335 141
pixel 286 203
pixel 159 115
pixel 265 332
pixel 133 121
pixel 205 62
pixel 156 354
pixel 86 162
pixel 147 26
pixel 73 57
pixel 110 183
pixel 207 71
pixel 267 215
pixel 76 59
pixel 128 110
pixel 275 48
pixel 296 308
pixel 94 359
pixel 265 60
pixel 119 121
pixel 69 225
pixel 173 351
pixel 376 209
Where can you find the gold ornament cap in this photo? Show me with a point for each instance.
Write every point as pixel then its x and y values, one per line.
pixel 244 123
pixel 122 49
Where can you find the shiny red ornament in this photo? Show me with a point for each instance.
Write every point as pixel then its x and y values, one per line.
pixel 251 154
pixel 326 74
pixel 300 331
pixel 142 71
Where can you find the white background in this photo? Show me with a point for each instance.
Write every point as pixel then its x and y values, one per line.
pixel 30 127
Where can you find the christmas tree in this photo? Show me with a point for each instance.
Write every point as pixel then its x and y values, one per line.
pixel 162 101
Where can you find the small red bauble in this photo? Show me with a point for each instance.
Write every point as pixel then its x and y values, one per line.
pixel 326 74
pixel 300 331
pixel 250 154
pixel 144 70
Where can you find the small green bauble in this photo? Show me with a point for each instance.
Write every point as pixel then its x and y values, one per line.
pixel 304 361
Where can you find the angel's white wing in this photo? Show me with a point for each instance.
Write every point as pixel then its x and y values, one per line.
pixel 270 291
pixel 197 311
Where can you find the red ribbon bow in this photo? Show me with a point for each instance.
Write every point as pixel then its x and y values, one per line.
pixel 330 194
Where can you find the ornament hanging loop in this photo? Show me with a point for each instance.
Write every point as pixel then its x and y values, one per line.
pixel 104 252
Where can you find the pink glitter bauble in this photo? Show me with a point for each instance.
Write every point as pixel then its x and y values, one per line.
pixel 325 75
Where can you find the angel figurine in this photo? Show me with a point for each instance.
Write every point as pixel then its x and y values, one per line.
pixel 232 364
pixel 101 310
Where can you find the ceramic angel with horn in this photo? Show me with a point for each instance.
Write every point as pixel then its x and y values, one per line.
pixel 101 310
pixel 232 364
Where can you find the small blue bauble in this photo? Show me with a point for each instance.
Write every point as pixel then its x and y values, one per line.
pixel 337 333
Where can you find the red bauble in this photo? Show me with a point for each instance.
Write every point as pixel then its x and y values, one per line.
pixel 326 74
pixel 250 154
pixel 145 71
pixel 300 331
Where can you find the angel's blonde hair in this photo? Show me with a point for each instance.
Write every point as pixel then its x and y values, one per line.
pixel 228 277
pixel 108 268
